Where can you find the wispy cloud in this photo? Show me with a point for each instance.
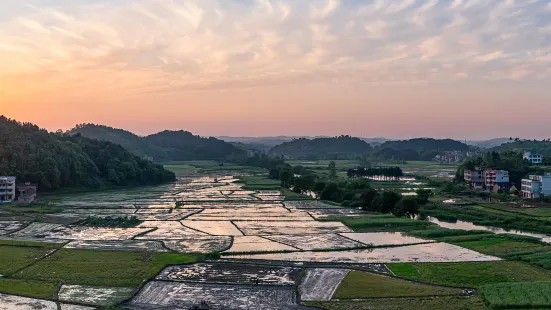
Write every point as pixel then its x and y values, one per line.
pixel 164 46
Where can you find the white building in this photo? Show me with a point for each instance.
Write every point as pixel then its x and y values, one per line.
pixel 7 189
pixel 536 186
pixel 536 159
pixel 496 177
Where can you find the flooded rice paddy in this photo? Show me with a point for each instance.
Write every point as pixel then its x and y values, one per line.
pixel 470 226
pixel 11 302
pixel 319 284
pixel 266 241
pixel 94 295
pixel 435 252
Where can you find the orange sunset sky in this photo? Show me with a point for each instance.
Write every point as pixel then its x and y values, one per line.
pixel 466 69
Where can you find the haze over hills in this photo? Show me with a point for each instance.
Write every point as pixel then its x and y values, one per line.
pixel 271 141
pixel 162 146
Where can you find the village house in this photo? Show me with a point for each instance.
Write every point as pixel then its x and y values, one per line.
pixel 536 159
pixel 536 186
pixel 487 179
pixel 7 189
pixel 26 193
pixel 475 178
pixel 494 180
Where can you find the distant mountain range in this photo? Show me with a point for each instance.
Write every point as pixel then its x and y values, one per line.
pixel 269 141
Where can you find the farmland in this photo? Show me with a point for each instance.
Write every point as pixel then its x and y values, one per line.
pixel 222 231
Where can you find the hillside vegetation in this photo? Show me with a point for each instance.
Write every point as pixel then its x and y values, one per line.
pixel 418 149
pixel 346 147
pixel 337 147
pixel 539 147
pixel 163 146
pixel 55 160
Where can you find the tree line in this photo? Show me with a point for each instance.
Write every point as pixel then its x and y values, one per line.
pixel 58 160
pixel 352 192
pixel 392 173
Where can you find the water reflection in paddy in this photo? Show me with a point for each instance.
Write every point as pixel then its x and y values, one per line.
pixel 383 238
pixel 434 252
pixel 470 226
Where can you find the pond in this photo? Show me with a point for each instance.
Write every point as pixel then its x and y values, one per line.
pixel 470 226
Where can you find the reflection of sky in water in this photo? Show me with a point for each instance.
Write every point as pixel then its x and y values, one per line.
pixel 383 238
pixel 434 252
pixel 470 226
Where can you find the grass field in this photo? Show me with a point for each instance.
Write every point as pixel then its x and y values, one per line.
pixel 520 295
pixel 440 303
pixel 15 256
pixel 109 268
pixel 472 274
pixel 359 284
pixel 258 182
pixel 381 223
pixel 40 289
pixel 542 259
pixel 292 196
pixel 503 246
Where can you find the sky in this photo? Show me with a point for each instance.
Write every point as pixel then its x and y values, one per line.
pixel 463 69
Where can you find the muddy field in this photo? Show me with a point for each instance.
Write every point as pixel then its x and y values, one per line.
pixel 231 273
pixel 435 252
pixel 319 284
pixel 384 238
pixel 94 295
pixel 317 242
pixel 7 227
pixel 199 244
pixel 292 228
pixel 177 295
pixel 10 302
pixel 123 245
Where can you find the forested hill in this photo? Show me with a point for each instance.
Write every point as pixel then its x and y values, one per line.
pixel 318 148
pixel 126 139
pixel 182 145
pixel 540 147
pixel 55 160
pixel 418 149
pixel 162 146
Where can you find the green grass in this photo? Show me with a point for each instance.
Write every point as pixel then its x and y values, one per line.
pixel 381 223
pixel 292 196
pixel 359 284
pixel 14 257
pixel 542 259
pixel 471 274
pixel 520 295
pixel 32 208
pixel 436 233
pixel 440 303
pixel 40 289
pixel 181 168
pixel 109 268
pixel 503 246
pixel 256 182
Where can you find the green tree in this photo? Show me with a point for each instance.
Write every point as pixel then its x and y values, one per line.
pixel 367 197
pixel 406 207
pixel 389 201
pixel 332 170
pixel 423 196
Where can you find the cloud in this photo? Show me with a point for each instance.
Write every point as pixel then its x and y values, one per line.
pixel 164 46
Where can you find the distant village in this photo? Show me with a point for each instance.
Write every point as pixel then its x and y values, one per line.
pixel 535 186
pixel 10 191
